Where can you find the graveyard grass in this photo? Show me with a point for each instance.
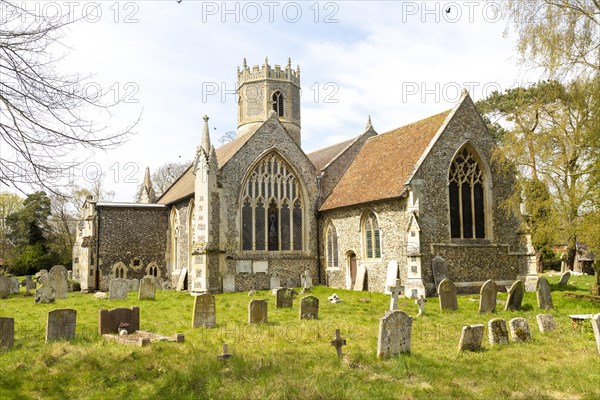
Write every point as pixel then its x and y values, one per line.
pixel 293 359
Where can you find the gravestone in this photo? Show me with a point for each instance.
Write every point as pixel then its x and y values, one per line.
pixel 306 280
pixel 596 329
pixel 420 302
pixel 544 294
pixel 14 285
pixel 515 296
pixel 41 276
pixel 285 298
pixel 257 312
pixel 5 287
pixel 109 321
pixel 228 283
pixel 361 272
pixel 392 275
pixel 57 278
pixel 497 332
pixel 395 330
pixel 309 308
pixel 519 330
pixel 395 291
pixel 118 289
pixel 447 293
pixel 293 282
pixel 133 285
pixel 147 289
pixel 7 333
pixel 61 325
pixel 182 278
pixel 545 322
pixel 471 338
pixel 204 314
pixel 44 294
pixel 564 278
pixel 487 297
pixel 29 284
pixel 338 342
pixel 275 282
pixel 440 270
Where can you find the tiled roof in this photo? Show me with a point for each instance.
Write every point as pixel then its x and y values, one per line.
pixel 320 158
pixel 385 162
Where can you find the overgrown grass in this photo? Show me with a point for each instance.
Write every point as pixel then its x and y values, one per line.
pixel 293 359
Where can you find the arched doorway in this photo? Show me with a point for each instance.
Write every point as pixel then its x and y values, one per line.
pixel 351 269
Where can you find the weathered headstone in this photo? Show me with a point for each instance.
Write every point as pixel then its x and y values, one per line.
pixel 61 324
pixel 487 297
pixel 118 289
pixel 110 321
pixel 545 322
pixel 293 282
pixel 395 291
pixel 57 278
pixel 391 276
pixel 519 330
pixel 228 283
pixel 257 312
pixel 14 285
pixel 515 296
pixel 204 314
pixel 133 285
pixel 41 276
pixel 440 270
pixel 471 338
pixel 395 331
pixel 309 308
pixel 7 333
pixel 447 293
pixel 147 289
pixel 564 278
pixel 182 278
pixel 5 287
pixel 29 284
pixel 544 294
pixel 596 329
pixel 420 302
pixel 306 280
pixel 275 282
pixel 361 272
pixel 530 282
pixel 285 298
pixel 44 294
pixel 497 332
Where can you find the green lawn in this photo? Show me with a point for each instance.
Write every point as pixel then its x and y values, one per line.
pixel 292 359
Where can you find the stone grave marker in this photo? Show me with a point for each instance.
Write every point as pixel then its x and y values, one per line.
pixel 447 293
pixel 519 330
pixel 228 283
pixel 564 278
pixel 61 325
pixel 395 331
pixel 257 312
pixel 440 270
pixel 596 329
pixel 293 282
pixel 147 289
pixel 306 280
pixel 182 278
pixel 41 276
pixel 391 276
pixel 275 282
pixel 395 291
pixel 544 294
pixel 361 272
pixel 204 314
pixel 29 284
pixel 338 342
pixel 515 296
pixel 133 285
pixel 545 322
pixel 309 308
pixel 487 297
pixel 57 278
pixel 7 333
pixel 471 338
pixel 497 332
pixel 420 302
pixel 285 298
pixel 14 285
pixel 118 289
pixel 5 287
pixel 110 321
pixel 44 294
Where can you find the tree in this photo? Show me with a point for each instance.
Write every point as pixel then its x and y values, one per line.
pixel 44 113
pixel 164 176
pixel 9 204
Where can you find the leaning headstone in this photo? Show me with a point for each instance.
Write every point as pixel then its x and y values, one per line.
pixel 228 283
pixel 497 332
pixel 596 329
pixel 147 289
pixel 564 278
pixel 487 297
pixel 440 270
pixel 361 273
pixel 546 322
pixel 118 289
pixel 204 314
pixel 544 294
pixel 471 338
pixel 110 321
pixel 14 287
pixel 5 287
pixel 447 292
pixel 61 325
pixel 41 276
pixel 519 330
pixel 57 278
pixel 395 330
pixel 7 333
pixel 275 282
pixel 515 296
pixel 44 294
pixel 309 308
pixel 391 276
pixel 285 298
pixel 182 278
pixel 257 312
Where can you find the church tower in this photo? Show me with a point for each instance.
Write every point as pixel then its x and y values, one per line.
pixel 264 90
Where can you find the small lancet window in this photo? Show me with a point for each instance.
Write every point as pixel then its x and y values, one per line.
pixel 278 103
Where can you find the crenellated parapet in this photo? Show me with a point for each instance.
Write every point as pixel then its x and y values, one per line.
pixel 266 71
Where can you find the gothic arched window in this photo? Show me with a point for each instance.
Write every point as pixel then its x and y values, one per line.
pixel 120 270
pixel 371 238
pixel 278 103
pixel 466 192
pixel 272 208
pixel 331 243
pixel 175 243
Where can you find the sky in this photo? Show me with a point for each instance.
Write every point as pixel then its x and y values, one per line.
pixel 172 63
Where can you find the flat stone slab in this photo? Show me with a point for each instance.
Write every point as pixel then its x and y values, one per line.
pixel 144 338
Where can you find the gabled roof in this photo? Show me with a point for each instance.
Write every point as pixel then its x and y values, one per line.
pixel 320 158
pixel 382 167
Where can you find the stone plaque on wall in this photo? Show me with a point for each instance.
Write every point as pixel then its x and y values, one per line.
pixel 243 266
pixel 260 266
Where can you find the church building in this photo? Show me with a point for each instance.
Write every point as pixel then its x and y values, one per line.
pixel 258 212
